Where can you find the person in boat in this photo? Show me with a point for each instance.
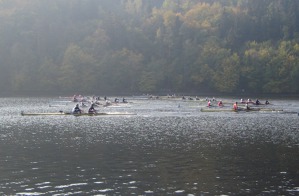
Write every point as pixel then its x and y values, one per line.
pixel 267 102
pixel 96 103
pixel 245 101
pixel 220 104
pixel 124 100
pixel 116 100
pixel 235 106
pixel 107 103
pixel 209 103
pixel 247 107
pixel 257 102
pixel 82 104
pixel 91 110
pixel 76 110
pixel 75 99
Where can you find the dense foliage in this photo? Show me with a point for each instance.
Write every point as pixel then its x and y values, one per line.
pixel 148 46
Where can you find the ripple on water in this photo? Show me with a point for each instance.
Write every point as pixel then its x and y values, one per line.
pixel 162 150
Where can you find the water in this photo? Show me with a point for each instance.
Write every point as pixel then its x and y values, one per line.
pixel 168 148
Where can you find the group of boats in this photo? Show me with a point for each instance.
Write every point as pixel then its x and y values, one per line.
pixel 240 109
pixel 213 105
pixel 61 113
pixel 242 106
pixel 84 102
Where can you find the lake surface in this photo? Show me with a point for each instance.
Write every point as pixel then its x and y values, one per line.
pixel 169 147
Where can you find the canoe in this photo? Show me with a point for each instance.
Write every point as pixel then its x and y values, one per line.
pixel 69 113
pixel 241 109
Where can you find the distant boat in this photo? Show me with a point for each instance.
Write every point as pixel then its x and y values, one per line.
pixel 241 109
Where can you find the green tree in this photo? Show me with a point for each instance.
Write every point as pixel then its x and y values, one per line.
pixel 283 70
pixel 77 70
pixel 48 76
pixel 121 70
pixel 256 59
pixel 226 76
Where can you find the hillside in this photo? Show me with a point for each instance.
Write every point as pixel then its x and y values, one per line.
pixel 221 46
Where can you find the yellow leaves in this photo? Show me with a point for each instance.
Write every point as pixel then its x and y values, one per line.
pixel 296 48
pixel 203 15
pixel 258 51
pixel 289 64
pixel 206 24
pixel 133 6
pixel 169 19
pixel 264 53
pixel 251 53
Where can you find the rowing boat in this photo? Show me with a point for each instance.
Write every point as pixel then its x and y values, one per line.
pixel 76 114
pixel 241 109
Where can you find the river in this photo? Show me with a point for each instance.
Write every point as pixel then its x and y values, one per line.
pixel 169 147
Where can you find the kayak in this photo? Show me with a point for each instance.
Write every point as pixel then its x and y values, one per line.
pixel 75 114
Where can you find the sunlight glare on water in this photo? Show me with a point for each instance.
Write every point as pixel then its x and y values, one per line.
pixel 169 147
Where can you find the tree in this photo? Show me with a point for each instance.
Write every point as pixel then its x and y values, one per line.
pixel 77 70
pixel 122 69
pixel 48 76
pixel 226 76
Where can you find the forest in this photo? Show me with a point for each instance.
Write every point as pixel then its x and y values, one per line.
pixel 149 46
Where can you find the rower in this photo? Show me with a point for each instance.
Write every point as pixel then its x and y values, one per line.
pixel 209 103
pixel 82 104
pixel 257 102
pixel 76 109
pixel 107 103
pixel 91 110
pixel 267 102
pixel 235 106
pixel 220 104
pixel 75 98
pixel 247 107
